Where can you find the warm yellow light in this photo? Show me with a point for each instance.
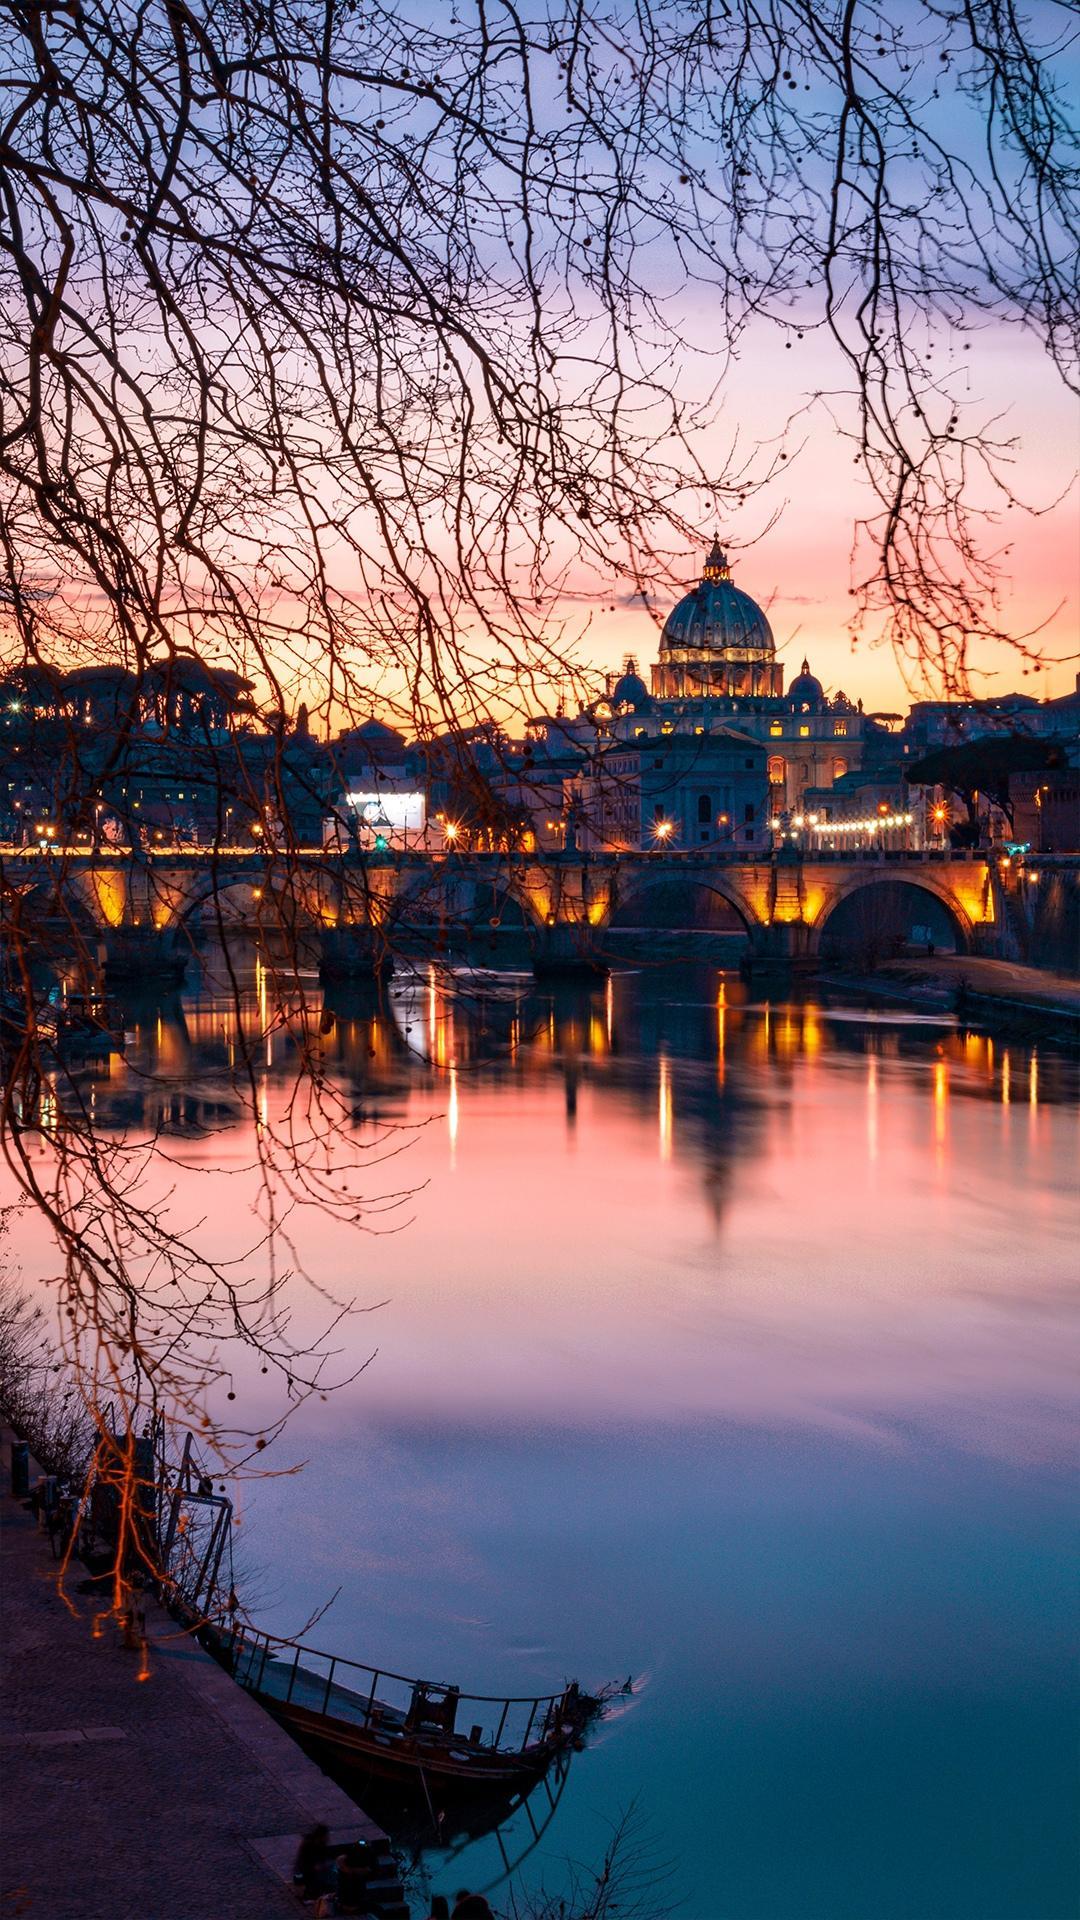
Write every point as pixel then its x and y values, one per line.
pixel 451 830
pixel 941 1102
pixel 663 829
pixel 666 1109
pixel 452 1115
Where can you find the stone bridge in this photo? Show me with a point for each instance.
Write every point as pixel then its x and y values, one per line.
pixel 142 906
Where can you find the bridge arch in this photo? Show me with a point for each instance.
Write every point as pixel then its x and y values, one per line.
pixel 680 901
pixel 465 899
pixel 32 898
pixel 186 908
pixel 873 911
pixel 300 892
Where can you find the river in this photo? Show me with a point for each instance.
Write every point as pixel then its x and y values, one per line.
pixel 721 1342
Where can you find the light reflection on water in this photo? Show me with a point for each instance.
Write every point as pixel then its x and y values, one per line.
pixel 725 1344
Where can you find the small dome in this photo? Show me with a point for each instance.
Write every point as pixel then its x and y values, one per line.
pixel 630 690
pixel 805 691
pixel 717 615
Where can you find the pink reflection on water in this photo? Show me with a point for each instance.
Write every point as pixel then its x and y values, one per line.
pixel 787 1221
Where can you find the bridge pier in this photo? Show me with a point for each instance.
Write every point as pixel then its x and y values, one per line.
pixel 786 943
pixel 356 952
pixel 155 956
pixel 568 949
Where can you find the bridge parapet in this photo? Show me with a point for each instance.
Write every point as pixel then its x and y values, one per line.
pixel 993 904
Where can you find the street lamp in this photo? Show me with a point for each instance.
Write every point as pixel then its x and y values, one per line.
pixel 662 831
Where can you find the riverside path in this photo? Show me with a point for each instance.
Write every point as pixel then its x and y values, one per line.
pixel 174 1798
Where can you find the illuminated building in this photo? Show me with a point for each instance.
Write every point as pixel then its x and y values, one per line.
pixel 716 748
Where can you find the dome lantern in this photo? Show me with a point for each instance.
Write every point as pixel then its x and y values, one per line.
pixel 716 566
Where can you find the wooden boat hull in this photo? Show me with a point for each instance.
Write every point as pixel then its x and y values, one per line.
pixel 428 1769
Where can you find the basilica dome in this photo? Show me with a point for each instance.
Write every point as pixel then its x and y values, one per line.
pixel 717 614
pixel 717 640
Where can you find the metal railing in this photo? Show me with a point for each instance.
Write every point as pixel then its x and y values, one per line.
pixel 390 1704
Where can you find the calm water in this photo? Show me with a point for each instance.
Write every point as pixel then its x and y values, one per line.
pixel 725 1345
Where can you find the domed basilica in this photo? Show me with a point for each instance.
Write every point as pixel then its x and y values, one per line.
pixel 717 642
pixel 715 750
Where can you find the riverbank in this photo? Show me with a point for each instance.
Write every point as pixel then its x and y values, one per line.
pixel 989 992
pixel 165 1792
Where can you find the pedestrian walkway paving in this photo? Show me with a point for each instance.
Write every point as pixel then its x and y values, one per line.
pixel 169 1797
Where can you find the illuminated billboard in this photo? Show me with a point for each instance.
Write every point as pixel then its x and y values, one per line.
pixel 398 818
pixel 395 812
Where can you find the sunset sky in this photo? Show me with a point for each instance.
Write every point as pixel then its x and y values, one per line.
pixel 799 570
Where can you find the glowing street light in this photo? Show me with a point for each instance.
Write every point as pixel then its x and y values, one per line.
pixel 663 831
pixel 451 831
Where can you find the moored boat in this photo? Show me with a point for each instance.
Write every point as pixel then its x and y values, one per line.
pixel 430 1738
